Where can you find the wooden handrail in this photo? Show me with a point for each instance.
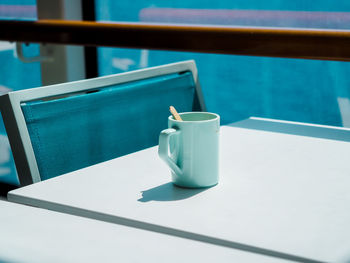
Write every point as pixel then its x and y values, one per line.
pixel 251 41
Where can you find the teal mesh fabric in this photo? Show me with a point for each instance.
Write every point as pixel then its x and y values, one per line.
pixel 81 130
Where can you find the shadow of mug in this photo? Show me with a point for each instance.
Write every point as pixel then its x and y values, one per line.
pixel 169 192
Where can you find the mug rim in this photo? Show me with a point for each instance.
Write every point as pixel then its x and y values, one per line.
pixel 217 116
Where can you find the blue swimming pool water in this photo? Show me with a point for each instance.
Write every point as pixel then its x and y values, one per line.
pixel 237 87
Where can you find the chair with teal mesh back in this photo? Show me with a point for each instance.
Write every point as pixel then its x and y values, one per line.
pixel 57 129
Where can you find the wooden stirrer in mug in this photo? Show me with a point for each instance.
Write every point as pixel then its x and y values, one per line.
pixel 174 113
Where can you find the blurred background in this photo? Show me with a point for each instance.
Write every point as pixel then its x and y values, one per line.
pixel 236 87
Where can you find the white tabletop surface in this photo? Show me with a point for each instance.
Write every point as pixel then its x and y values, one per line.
pixel 278 193
pixel 29 234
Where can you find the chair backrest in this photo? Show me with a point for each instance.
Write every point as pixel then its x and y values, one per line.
pixel 61 128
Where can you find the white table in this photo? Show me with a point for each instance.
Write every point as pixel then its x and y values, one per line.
pixel 29 234
pixel 281 194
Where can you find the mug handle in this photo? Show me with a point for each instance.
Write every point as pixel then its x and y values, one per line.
pixel 163 149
